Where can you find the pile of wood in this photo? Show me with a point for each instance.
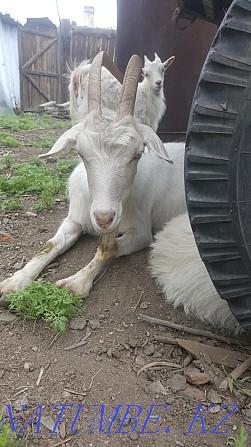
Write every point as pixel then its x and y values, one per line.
pixel 57 110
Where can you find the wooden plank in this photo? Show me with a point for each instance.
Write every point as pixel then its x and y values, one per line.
pixel 41 73
pixel 39 53
pixel 220 356
pixel 36 33
pixel 34 84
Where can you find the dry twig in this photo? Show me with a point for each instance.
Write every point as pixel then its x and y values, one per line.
pixel 189 330
pixel 153 364
pixel 91 382
pixel 236 373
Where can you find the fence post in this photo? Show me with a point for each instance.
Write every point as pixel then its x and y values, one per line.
pixel 64 58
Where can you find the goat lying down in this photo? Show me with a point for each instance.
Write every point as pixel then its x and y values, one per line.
pixel 176 264
pixel 150 105
pixel 123 190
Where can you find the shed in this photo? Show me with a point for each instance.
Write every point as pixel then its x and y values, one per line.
pixel 9 65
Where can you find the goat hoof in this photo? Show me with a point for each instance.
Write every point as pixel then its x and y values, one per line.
pixel 75 287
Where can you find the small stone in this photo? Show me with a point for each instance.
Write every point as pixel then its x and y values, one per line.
pixel 177 383
pixel 48 422
pixel 170 401
pixel 149 349
pixel 94 324
pixel 140 361
pixel 180 444
pixel 195 377
pixel 144 305
pixel 157 388
pixel 19 403
pixel 30 213
pixel 27 366
pixel 34 348
pixel 19 265
pixel 191 392
pixel 77 323
pixel 7 318
pixel 215 409
pixel 234 427
pixel 248 413
pixel 116 354
pixel 134 436
pixel 109 353
pixel 66 394
pixel 214 397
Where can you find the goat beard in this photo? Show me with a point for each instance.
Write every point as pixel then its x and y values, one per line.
pixel 109 241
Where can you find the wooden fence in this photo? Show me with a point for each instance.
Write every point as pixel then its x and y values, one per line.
pixel 47 52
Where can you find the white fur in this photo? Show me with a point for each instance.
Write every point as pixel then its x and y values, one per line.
pixel 181 274
pixel 150 103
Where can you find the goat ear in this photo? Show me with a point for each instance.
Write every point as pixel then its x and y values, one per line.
pixel 66 141
pixel 153 142
pixel 156 56
pixel 168 62
pixel 146 59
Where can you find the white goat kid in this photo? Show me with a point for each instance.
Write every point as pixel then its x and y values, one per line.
pixel 116 189
pixel 176 264
pixel 150 103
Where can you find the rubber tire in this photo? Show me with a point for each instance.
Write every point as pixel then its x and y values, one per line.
pixel 218 161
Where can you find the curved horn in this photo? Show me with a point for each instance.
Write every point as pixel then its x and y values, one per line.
pixel 94 84
pixel 129 87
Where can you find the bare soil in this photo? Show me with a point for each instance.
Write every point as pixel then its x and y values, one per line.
pixel 105 370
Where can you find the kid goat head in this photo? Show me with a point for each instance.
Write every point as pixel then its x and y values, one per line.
pixel 154 71
pixel 110 145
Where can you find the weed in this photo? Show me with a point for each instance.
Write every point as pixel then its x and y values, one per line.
pixel 35 177
pixel 47 141
pixel 46 301
pixel 10 204
pixel 240 440
pixel 8 140
pixel 31 121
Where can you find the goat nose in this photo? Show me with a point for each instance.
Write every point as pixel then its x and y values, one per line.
pixel 158 82
pixel 104 220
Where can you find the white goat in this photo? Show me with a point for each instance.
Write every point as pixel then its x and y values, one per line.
pixel 117 189
pixel 150 103
pixel 176 263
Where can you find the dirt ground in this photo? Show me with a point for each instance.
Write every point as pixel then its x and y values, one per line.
pixel 104 373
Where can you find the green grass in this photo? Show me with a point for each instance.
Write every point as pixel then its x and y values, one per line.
pixel 240 440
pixel 46 301
pixel 31 121
pixel 47 141
pixel 8 140
pixel 34 178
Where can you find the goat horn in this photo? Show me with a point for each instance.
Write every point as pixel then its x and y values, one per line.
pixel 129 87
pixel 94 84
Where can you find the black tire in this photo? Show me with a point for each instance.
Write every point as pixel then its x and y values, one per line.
pixel 218 161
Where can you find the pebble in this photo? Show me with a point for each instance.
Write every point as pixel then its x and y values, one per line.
pixel 191 392
pixel 214 397
pixel 149 349
pixel 133 436
pixel 77 323
pixel 144 305
pixel 195 377
pixel 177 383
pixel 157 387
pixel 7 318
pixel 94 324
pixel 140 361
pixel 248 413
pixel 27 366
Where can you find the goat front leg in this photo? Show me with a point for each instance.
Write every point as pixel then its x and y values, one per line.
pixel 81 282
pixel 65 237
pixel 111 246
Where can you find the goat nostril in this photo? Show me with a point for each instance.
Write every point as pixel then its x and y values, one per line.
pixel 104 220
